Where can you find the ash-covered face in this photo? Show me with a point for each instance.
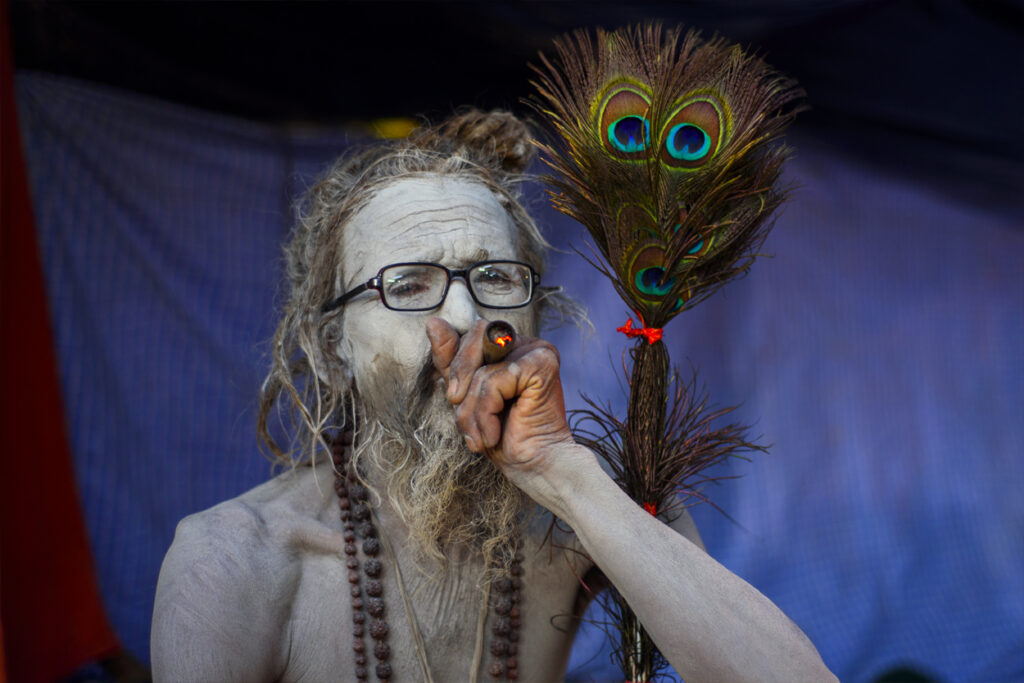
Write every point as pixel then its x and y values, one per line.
pixel 445 494
pixel 451 221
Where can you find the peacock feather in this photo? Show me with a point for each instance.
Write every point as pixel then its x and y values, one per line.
pixel 666 149
pixel 666 155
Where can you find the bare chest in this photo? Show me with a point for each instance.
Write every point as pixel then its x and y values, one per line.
pixel 453 616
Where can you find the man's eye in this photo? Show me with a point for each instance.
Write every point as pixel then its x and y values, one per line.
pixel 407 287
pixel 494 278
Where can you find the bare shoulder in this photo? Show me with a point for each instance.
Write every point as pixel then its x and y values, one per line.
pixel 228 581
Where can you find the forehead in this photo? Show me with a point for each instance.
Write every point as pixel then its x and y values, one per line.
pixel 451 221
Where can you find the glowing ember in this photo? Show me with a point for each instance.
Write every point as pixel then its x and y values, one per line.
pixel 503 340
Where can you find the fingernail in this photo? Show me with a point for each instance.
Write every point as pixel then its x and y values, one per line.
pixel 453 386
pixel 470 444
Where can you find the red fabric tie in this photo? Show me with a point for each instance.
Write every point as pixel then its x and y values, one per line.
pixel 652 334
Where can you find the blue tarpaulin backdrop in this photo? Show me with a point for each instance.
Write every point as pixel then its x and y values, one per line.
pixel 880 352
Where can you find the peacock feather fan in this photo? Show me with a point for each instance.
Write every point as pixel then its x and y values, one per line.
pixel 668 155
pixel 666 149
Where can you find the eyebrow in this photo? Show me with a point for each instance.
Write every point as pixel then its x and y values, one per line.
pixel 480 255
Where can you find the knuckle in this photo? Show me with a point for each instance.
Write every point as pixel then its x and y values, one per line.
pixel 546 354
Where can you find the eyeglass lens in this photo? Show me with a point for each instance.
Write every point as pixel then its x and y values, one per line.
pixel 421 286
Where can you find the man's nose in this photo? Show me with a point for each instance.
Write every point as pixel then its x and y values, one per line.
pixel 458 308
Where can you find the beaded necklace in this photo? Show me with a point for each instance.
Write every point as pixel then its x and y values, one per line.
pixel 357 524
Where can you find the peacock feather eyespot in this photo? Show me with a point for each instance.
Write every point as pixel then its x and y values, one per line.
pixel 653 281
pixel 701 246
pixel 623 121
pixel 647 273
pixel 694 132
pixel 687 142
pixel 630 134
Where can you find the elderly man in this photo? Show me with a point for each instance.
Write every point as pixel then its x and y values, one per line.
pixel 417 552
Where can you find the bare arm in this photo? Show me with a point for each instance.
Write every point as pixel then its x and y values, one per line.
pixel 709 623
pixel 215 618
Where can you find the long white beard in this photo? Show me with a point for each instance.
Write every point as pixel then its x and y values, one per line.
pixel 446 495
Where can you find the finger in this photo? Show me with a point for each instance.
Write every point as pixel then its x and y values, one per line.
pixel 468 358
pixel 478 414
pixel 444 343
pixel 531 376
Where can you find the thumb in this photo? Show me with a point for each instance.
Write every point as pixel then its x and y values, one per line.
pixel 444 342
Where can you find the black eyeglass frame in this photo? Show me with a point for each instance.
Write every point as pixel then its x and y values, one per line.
pixel 376 282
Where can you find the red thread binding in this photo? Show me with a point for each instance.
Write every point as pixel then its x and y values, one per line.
pixel 652 334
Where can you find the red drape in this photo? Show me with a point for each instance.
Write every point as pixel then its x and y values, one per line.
pixel 51 614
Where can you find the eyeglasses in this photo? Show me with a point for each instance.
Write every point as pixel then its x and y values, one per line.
pixel 423 286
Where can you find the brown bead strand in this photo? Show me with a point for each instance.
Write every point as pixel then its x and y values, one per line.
pixel 357 522
pixel 507 611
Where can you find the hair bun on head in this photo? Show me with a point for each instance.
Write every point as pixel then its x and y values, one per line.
pixel 496 136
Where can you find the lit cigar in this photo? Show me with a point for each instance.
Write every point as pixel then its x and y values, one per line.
pixel 499 337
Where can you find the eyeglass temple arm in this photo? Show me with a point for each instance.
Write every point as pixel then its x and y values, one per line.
pixel 340 301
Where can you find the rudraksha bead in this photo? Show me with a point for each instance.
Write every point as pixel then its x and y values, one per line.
pixel 358 645
pixel 358 631
pixel 360 512
pixel 367 530
pixel 372 567
pixel 382 650
pixel 357 492
pixel 511 663
pixel 352 562
pixel 375 606
pixel 383 671
pixel 350 549
pixel 349 535
pixel 503 585
pixel 514 570
pixel 513 674
pixel 499 648
pixel 513 649
pixel 378 629
pixel 358 618
pixel 503 606
pixel 362 672
pixel 357 603
pixel 371 547
pixel 344 503
pixel 496 669
pixel 361 660
pixel 513 636
pixel 355 591
pixel 501 627
pixel 353 576
pixel 517 583
pixel 374 589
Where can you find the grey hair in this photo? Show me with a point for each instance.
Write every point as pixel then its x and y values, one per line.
pixel 308 382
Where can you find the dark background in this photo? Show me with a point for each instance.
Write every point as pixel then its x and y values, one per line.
pixel 929 88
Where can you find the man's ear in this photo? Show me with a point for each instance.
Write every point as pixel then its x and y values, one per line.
pixel 329 367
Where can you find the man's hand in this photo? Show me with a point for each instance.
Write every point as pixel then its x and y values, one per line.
pixel 512 411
